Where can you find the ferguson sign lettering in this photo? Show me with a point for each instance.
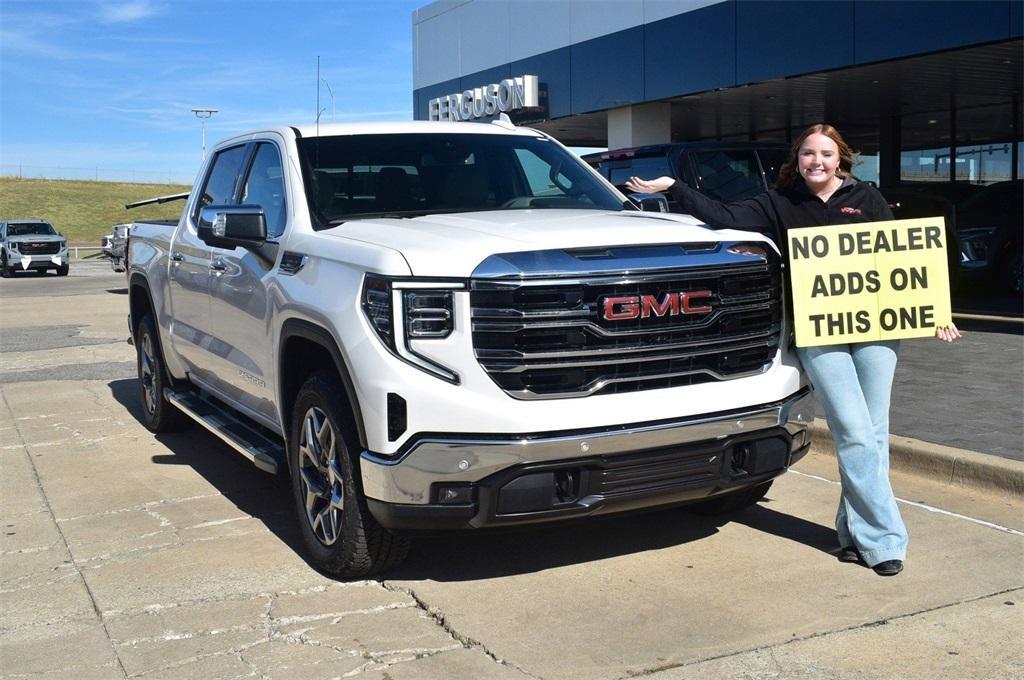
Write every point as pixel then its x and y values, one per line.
pixel 508 95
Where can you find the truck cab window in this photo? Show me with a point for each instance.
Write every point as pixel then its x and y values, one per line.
pixel 264 186
pixel 729 175
pixel 220 183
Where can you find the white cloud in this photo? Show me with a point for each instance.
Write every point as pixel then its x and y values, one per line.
pixel 127 12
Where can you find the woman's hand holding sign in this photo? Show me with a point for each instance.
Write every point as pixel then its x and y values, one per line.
pixel 948 333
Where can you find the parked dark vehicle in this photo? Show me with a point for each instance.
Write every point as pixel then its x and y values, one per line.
pixel 733 171
pixel 990 225
pixel 725 171
pixel 32 244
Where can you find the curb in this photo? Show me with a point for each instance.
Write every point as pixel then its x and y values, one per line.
pixel 943 464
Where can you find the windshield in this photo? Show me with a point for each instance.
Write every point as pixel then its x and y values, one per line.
pixel 406 175
pixel 27 228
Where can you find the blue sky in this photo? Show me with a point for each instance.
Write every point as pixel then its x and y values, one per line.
pixel 111 85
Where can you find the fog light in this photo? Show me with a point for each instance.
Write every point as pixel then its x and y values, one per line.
pixel 453 494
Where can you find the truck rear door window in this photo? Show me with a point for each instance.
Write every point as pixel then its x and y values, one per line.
pixel 729 175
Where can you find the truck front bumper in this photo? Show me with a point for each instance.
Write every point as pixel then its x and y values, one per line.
pixel 38 262
pixel 446 482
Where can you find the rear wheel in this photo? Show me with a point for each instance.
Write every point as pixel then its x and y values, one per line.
pixel 733 502
pixel 340 534
pixel 158 415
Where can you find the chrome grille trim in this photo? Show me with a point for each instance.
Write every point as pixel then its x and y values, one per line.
pixel 592 327
pixel 526 395
pixel 540 336
pixel 651 353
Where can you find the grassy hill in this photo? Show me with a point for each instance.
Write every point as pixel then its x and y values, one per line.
pixel 84 211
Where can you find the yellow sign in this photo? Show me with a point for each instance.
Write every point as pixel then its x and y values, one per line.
pixel 871 281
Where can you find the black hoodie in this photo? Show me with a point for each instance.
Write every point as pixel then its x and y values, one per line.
pixel 777 210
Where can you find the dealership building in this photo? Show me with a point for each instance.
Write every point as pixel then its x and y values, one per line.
pixel 926 90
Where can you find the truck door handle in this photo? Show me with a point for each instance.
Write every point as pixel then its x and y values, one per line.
pixel 218 266
pixel 177 257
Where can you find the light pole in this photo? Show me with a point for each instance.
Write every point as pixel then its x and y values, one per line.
pixel 203 114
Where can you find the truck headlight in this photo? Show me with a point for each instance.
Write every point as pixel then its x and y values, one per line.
pixel 13 246
pixel 426 314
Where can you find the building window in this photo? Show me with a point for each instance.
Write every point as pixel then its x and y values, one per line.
pixel 925 165
pixel 984 163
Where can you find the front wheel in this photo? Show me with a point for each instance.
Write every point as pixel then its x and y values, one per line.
pixel 340 534
pixel 63 269
pixel 733 502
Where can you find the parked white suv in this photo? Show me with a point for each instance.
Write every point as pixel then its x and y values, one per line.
pixel 32 244
pixel 440 325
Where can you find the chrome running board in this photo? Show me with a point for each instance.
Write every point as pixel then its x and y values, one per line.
pixel 261 450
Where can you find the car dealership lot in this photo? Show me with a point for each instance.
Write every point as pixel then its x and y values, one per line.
pixel 127 554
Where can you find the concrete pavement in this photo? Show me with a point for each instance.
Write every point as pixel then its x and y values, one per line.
pixel 129 555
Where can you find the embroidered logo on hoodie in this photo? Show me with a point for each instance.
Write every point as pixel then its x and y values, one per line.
pixel 850 211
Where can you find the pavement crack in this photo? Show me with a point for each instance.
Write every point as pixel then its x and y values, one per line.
pixel 838 631
pixel 234 651
pixel 440 619
pixel 375 664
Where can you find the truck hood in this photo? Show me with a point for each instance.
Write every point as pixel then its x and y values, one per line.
pixel 453 245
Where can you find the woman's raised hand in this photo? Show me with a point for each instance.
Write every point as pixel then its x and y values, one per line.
pixel 948 333
pixel 652 186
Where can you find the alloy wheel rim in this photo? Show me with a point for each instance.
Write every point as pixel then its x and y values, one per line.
pixel 320 476
pixel 148 382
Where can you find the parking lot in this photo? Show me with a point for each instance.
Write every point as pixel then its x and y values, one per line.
pixel 126 554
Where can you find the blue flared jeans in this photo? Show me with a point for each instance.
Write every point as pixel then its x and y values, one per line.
pixel 854 383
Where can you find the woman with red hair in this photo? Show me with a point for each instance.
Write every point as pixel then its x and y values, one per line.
pixel 815 188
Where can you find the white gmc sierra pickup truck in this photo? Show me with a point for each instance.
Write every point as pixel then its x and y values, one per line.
pixel 458 325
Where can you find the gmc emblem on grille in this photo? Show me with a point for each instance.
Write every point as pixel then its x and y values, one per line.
pixel 645 306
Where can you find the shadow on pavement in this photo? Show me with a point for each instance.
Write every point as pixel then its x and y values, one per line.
pixel 469 555
pixel 264 497
pixel 764 519
pixel 118 291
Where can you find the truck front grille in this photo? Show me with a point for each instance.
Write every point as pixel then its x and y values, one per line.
pixel 546 338
pixel 39 247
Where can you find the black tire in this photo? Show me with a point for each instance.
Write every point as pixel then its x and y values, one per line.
pixel 63 269
pixel 158 415
pixel 5 271
pixel 733 502
pixel 340 534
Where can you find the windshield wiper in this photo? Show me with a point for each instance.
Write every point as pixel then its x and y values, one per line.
pixel 403 214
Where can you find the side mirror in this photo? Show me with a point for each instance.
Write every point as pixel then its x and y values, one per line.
pixel 650 202
pixel 233 226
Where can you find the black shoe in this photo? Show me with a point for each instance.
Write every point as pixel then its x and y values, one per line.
pixel 888 568
pixel 849 554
